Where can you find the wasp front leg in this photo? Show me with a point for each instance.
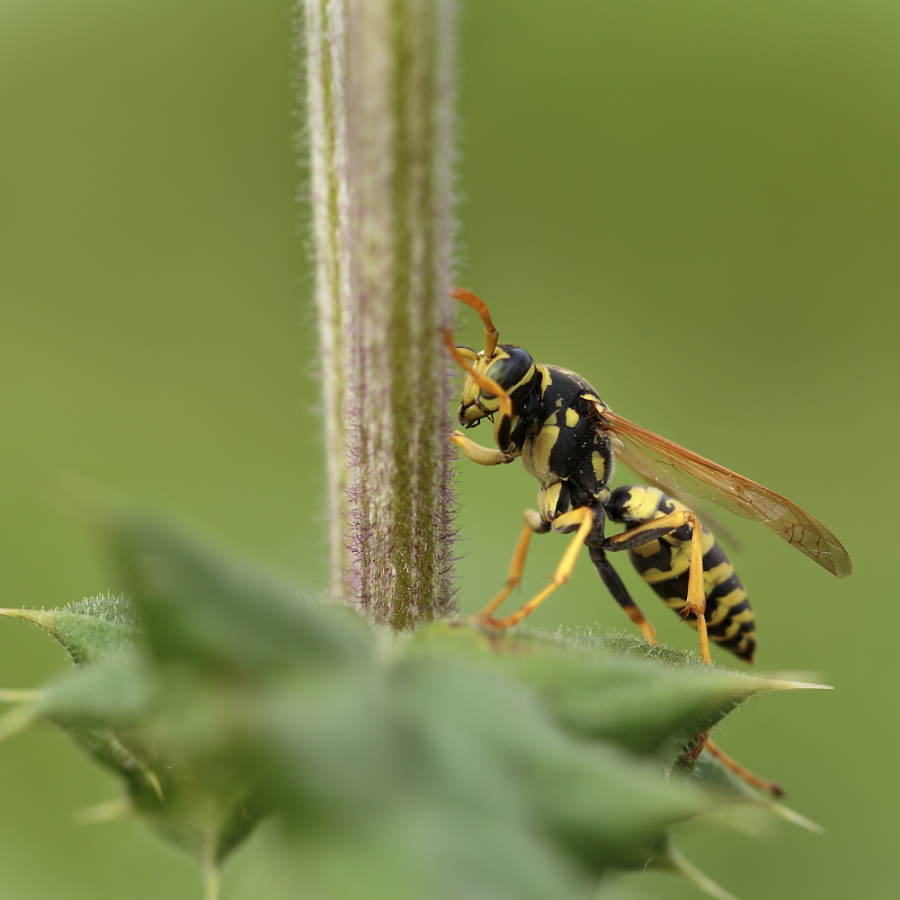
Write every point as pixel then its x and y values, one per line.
pixel 658 528
pixel 484 456
pixel 579 520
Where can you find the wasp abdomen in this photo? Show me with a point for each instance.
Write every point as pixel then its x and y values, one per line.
pixel 664 564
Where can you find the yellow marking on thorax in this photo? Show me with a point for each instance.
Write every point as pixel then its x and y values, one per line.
pixel 571 417
pixel 599 464
pixel 536 454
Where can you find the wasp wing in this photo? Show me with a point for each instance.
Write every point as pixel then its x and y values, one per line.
pixel 675 468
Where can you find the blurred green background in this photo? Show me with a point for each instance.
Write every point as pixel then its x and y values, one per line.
pixel 696 206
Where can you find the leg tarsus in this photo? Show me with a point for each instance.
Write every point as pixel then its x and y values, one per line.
pixel 646 628
pixel 745 774
pixel 704 638
pixel 697 749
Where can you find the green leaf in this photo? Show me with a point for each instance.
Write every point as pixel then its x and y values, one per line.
pixel 112 709
pixel 341 739
pixel 709 775
pixel 91 630
pixel 453 781
pixel 651 700
pixel 95 705
pixel 453 763
pixel 667 858
pixel 119 691
pixel 207 610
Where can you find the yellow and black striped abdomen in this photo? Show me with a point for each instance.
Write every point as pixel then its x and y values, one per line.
pixel 664 564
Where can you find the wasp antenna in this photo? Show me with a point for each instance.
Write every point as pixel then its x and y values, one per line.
pixel 491 335
pixel 482 380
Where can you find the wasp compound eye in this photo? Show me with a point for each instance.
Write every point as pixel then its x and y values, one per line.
pixel 510 368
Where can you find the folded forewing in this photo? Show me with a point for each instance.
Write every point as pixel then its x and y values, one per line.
pixel 675 468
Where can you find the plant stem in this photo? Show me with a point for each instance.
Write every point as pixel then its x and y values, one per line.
pixel 381 122
pixel 325 79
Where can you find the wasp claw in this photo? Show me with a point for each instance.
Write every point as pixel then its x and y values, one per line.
pixel 691 754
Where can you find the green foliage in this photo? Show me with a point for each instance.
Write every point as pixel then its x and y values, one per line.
pixel 90 631
pixel 451 763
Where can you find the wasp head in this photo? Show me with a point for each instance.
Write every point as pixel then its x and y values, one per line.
pixel 509 366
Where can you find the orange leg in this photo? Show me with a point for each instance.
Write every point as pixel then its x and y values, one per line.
pixel 697 749
pixel 584 519
pixel 637 617
pixel 516 566
pixel 751 779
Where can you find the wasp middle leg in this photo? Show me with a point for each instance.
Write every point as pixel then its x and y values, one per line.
pixel 616 587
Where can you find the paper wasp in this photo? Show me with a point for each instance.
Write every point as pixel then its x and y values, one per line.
pixel 569 439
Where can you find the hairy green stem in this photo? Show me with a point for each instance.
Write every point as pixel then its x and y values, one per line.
pixel 380 102
pixel 326 76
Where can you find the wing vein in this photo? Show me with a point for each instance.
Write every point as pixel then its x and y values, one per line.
pixel 675 468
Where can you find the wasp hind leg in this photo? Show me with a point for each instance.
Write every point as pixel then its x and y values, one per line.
pixel 581 519
pixel 714 750
pixel 653 530
pixel 745 774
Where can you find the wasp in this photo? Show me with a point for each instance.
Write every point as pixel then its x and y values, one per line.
pixel 569 440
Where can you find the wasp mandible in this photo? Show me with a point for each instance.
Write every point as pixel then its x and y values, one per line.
pixel 569 439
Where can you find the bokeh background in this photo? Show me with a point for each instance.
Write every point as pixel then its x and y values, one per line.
pixel 694 205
